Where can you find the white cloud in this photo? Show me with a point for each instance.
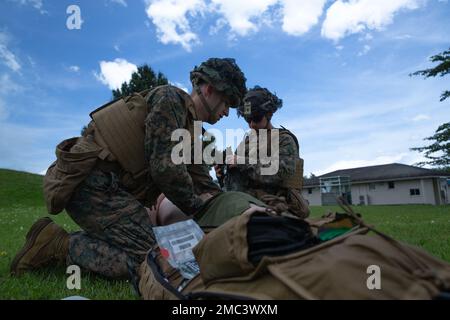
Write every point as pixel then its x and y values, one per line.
pixel 171 20
pixel 364 50
pixel 37 4
pixel 114 73
pixel 243 17
pixel 7 57
pixel 74 68
pixel 421 117
pixel 299 16
pixel 220 23
pixel 246 17
pixel 354 16
pixel 117 48
pixel 366 37
pixel 180 85
pixel 121 2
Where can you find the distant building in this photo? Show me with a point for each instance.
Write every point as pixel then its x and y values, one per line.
pixel 384 184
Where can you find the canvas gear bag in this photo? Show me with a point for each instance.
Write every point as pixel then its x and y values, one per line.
pixel 76 157
pixel 332 269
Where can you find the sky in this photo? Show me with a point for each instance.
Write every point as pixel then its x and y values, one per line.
pixel 341 67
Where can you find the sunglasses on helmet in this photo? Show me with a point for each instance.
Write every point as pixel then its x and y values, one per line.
pixel 254 117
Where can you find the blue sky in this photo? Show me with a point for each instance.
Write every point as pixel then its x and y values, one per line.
pixel 341 68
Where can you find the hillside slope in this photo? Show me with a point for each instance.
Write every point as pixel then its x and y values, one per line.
pixel 20 188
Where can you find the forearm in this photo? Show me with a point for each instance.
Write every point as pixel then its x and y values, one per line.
pixel 176 183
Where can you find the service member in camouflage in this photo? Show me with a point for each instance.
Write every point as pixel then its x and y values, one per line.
pixel 258 108
pixel 110 205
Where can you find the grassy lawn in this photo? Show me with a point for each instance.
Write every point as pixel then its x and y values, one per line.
pixel 21 203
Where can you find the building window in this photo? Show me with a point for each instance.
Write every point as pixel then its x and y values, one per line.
pixel 372 186
pixel 391 185
pixel 309 190
pixel 414 192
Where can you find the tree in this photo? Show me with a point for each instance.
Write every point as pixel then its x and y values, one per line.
pixel 441 69
pixel 144 78
pixel 440 145
pixel 437 153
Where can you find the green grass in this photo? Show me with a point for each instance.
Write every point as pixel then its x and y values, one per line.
pixel 425 226
pixel 21 203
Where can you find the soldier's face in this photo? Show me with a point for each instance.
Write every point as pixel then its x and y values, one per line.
pixel 222 110
pixel 219 105
pixel 261 124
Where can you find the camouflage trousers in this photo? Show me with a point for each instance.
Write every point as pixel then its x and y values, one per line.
pixel 117 231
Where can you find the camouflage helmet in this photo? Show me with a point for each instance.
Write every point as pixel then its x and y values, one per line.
pixel 257 103
pixel 224 75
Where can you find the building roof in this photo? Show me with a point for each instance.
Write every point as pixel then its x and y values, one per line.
pixel 392 171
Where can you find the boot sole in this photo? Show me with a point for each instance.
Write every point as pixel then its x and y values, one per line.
pixel 31 236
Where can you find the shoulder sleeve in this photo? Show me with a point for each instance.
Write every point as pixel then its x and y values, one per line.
pixel 168 113
pixel 288 155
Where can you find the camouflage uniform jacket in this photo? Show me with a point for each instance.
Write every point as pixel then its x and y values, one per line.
pixel 248 178
pixel 169 108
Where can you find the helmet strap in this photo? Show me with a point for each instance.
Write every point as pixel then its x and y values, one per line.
pixel 211 111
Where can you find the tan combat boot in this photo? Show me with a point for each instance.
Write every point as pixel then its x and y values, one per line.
pixel 46 243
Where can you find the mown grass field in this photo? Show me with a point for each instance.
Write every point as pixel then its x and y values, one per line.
pixel 21 203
